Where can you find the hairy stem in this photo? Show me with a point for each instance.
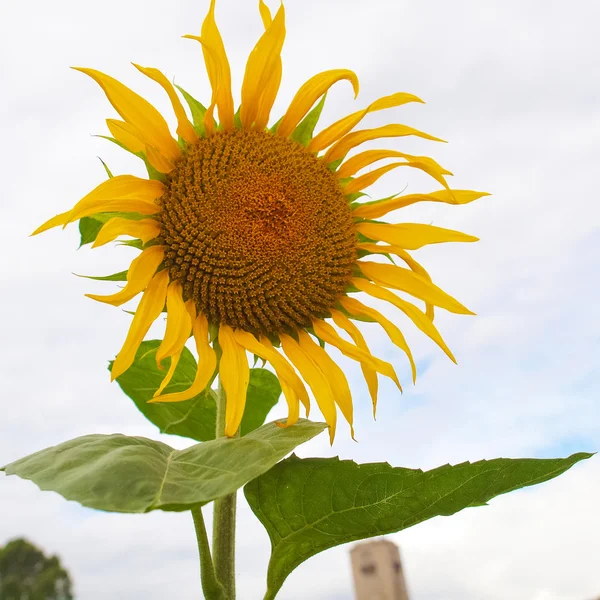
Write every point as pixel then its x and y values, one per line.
pixel 224 521
pixel 212 589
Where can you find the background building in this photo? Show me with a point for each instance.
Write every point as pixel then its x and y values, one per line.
pixel 377 571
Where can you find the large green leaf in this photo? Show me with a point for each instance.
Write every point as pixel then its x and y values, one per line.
pixel 310 505
pixel 263 393
pixel 195 418
pixel 118 473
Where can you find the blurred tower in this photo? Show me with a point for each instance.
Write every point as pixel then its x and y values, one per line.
pixel 377 571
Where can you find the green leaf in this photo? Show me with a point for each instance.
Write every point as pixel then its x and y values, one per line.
pixel 133 243
pixel 195 418
pixel 263 393
pixel 108 171
pixel 152 172
pixel 89 227
pixel 332 166
pixel 304 131
pixel 310 505
pixel 197 109
pixel 120 276
pixel 88 230
pixel 118 473
pixel 275 126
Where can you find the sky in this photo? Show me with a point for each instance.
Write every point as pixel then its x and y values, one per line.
pixel 515 89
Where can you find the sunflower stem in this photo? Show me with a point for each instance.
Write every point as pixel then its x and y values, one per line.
pixel 210 586
pixel 224 520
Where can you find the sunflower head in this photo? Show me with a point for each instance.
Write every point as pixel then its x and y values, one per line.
pixel 252 235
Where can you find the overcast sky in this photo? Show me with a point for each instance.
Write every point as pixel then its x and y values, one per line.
pixel 514 86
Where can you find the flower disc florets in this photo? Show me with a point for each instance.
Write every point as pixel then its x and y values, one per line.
pixel 258 231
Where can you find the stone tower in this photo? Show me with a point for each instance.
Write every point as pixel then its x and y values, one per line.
pixel 377 571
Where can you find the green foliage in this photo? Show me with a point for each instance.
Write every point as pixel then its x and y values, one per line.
pixel 304 131
pixel 125 474
pixel 194 418
pixel 197 109
pixel 152 172
pixel 310 505
pixel 263 393
pixel 120 276
pixel 89 229
pixel 26 573
pixel 108 171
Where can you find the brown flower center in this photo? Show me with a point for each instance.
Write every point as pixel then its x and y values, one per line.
pixel 258 231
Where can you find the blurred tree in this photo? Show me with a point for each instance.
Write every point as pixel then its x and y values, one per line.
pixel 26 573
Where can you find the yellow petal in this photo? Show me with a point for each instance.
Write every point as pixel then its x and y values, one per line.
pixel 265 13
pixel 309 93
pixel 60 219
pixel 410 310
pixel 340 128
pixel 123 193
pixel 329 335
pixel 351 140
pixel 184 127
pixel 167 378
pixel 144 229
pixel 358 309
pixel 335 375
pixel 179 324
pixel 234 374
pixel 141 271
pixel 407 258
pixel 118 188
pixel 315 378
pixel 291 399
pixel 270 93
pixel 262 75
pixel 147 312
pixel 364 181
pixel 217 67
pixel 360 183
pixel 412 236
pixel 265 350
pixel 137 112
pixel 291 384
pixel 370 374
pixel 267 98
pixel 413 284
pixel 126 134
pixel 158 161
pixel 378 208
pixel 207 363
pixel 368 157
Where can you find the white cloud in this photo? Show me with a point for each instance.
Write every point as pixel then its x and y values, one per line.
pixel 513 87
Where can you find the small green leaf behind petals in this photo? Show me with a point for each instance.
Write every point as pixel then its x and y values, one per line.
pixel 197 109
pixel 125 474
pixel 310 505
pixel 89 227
pixel 194 418
pixel 152 172
pixel 120 276
pixel 88 230
pixel 305 129
pixel 108 171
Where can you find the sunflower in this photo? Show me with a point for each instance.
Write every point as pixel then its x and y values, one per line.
pixel 253 237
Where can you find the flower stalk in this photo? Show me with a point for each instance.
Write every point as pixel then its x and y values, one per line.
pixel 224 520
